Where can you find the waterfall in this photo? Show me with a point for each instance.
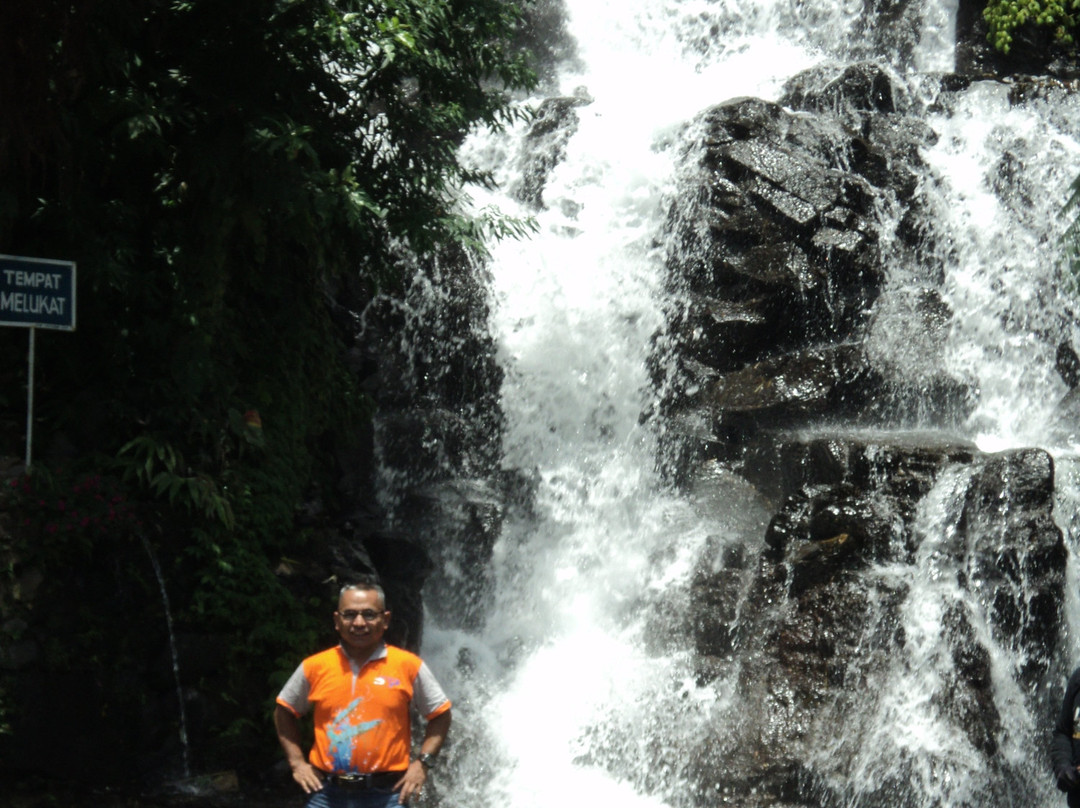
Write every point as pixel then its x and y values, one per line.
pixel 1007 169
pixel 580 679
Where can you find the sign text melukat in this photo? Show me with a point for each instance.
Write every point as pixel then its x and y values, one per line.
pixel 37 292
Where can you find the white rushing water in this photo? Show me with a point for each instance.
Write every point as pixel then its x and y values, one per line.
pixel 1006 271
pixel 579 683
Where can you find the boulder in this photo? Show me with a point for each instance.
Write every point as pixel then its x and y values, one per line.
pixel 862 86
pixel 1013 555
pixel 794 388
pixel 776 269
pixel 814 630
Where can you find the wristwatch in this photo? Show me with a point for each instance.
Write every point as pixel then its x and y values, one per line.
pixel 427 761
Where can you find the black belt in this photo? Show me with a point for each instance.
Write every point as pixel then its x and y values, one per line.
pixel 362 782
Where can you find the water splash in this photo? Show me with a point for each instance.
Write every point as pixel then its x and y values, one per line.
pixel 1004 171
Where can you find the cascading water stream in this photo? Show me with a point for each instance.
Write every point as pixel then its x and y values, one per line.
pixel 175 657
pixel 579 682
pixel 1006 169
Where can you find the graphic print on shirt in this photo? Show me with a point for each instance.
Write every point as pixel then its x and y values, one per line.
pixel 341 732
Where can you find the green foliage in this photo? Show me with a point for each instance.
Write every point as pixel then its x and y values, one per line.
pixel 157 466
pixel 1003 17
pixel 233 178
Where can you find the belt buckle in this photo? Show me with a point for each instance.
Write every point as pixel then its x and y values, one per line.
pixel 353 780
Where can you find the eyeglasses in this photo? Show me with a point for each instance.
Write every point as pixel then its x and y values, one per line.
pixel 368 615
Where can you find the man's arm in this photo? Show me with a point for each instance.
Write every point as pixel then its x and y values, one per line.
pixel 416 775
pixel 288 732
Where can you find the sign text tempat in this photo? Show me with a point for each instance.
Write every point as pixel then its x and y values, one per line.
pixel 37 292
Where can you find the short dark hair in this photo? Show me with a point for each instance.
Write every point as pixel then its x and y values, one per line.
pixel 365 583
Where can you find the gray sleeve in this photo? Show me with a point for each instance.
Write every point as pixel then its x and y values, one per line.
pixel 428 696
pixel 295 693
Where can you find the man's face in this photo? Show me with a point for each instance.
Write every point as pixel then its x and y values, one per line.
pixel 361 620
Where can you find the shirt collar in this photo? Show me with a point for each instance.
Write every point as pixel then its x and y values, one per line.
pixel 378 653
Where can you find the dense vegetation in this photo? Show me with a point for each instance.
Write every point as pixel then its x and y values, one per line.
pixel 1056 18
pixel 231 178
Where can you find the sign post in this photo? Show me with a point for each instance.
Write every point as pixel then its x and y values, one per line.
pixel 36 293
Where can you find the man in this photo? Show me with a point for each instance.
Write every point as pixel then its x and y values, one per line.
pixel 361 692
pixel 1065 751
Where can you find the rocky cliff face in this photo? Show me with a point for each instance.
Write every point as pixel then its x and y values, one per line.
pixel 440 493
pixel 781 273
pixel 808 621
pixel 779 260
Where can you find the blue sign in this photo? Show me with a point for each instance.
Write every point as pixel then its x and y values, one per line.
pixel 37 292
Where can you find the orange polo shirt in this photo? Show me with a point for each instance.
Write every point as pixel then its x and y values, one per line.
pixel 361 712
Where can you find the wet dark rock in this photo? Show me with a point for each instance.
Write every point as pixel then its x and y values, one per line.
pixel 788 389
pixel 1009 180
pixel 1015 554
pixel 887 155
pixel 1066 420
pixel 423 443
pixel 741 119
pixel 778 274
pixel 403 564
pixel 438 429
pixel 716 598
pixel 938 400
pixel 900 464
pixel 457 522
pixel 794 357
pixel 812 185
pixel 722 334
pixel 970 698
pixel 824 526
pixel 1067 364
pixel 892 27
pixel 776 268
pixel 813 628
pixel 544 146
pixel 909 324
pixel 1025 89
pixel 864 86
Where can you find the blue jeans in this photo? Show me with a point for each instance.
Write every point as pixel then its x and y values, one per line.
pixel 332 796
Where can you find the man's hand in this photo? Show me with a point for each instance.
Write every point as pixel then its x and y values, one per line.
pixel 288 730
pixel 1068 778
pixel 306 776
pixel 411 783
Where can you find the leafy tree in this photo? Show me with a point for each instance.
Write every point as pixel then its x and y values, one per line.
pixel 225 173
